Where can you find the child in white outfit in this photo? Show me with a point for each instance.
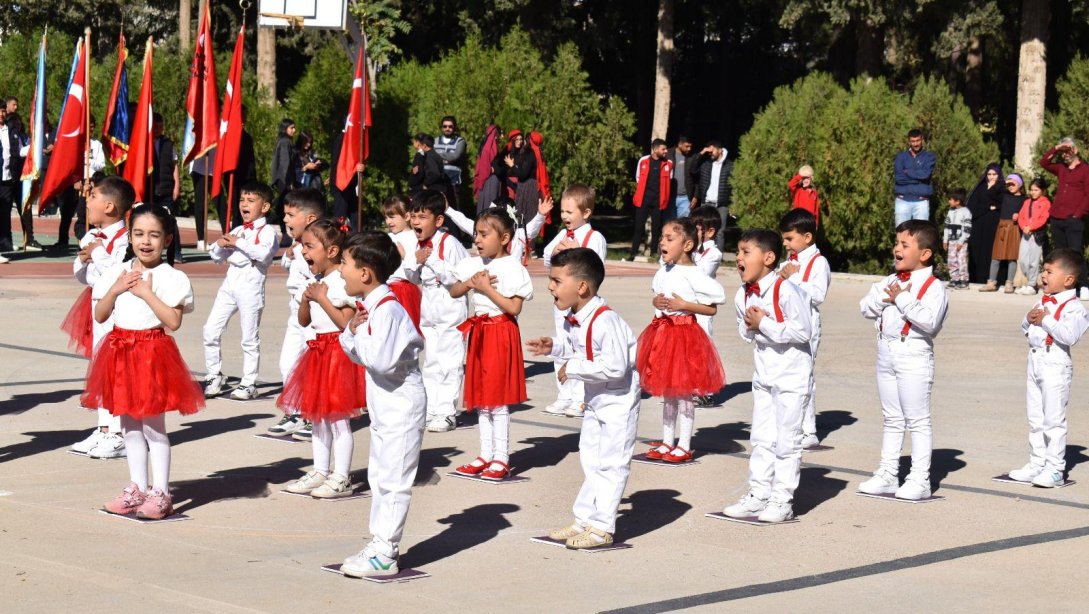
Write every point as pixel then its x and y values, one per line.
pixel 248 251
pixel 909 309
pixel 597 348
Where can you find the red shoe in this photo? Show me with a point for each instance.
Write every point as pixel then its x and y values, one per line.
pixel 496 474
pixel 471 469
pixel 656 452
pixel 675 458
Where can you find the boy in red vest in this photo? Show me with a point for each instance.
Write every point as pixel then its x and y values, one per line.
pixel 653 187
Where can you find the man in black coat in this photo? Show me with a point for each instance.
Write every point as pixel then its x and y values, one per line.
pixel 427 172
pixel 712 170
pixel 11 186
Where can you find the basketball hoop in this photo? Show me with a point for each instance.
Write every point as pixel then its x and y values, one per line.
pixel 295 22
pixel 300 14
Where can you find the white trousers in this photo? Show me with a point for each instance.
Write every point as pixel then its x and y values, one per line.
pixel 248 302
pixel 295 338
pixel 443 369
pixel 396 436
pixel 1049 377
pixel 605 448
pixel 571 392
pixel 905 375
pixel 776 437
pixel 809 419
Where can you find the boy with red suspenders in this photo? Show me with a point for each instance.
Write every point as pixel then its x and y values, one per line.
pixel 773 315
pixel 597 348
pixel 909 308
pixel 1052 327
pixel 809 270
pixel 432 268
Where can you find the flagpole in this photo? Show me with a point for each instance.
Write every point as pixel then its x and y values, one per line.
pixel 87 105
pixel 364 91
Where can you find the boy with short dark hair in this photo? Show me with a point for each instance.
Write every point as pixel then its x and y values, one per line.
pixel 958 228
pixel 598 351
pixel 248 251
pixel 432 268
pixel 808 270
pixel 909 309
pixel 1054 324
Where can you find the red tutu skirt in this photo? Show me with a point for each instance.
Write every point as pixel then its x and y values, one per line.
pixel 79 326
pixel 140 373
pixel 495 373
pixel 676 358
pixel 325 383
pixel 408 294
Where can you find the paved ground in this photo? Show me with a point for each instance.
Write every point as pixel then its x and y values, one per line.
pixel 986 547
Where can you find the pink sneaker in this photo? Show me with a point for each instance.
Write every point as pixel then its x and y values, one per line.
pixel 127 502
pixel 156 506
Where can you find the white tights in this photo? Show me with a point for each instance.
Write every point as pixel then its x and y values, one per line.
pixel 336 438
pixel 678 412
pixel 494 433
pixel 145 438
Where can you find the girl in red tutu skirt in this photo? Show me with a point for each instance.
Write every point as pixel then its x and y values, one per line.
pixel 495 374
pixel 676 359
pixel 137 372
pixel 407 293
pixel 325 387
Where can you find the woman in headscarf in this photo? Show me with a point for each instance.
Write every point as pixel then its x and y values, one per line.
pixel 984 202
pixel 521 169
pixel 486 185
pixel 283 171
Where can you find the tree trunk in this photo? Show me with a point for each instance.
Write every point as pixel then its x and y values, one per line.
pixel 869 53
pixel 973 77
pixel 664 70
pixel 1031 80
pixel 185 22
pixel 266 60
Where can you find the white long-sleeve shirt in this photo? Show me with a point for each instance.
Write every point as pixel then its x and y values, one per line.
pixel 115 240
pixel 299 274
pixel 406 240
pixel 608 367
pixel 813 277
pixel 781 354
pixel 388 347
pixel 584 235
pixel 435 276
pixel 251 255
pixel 1066 330
pixel 707 258
pixel 925 314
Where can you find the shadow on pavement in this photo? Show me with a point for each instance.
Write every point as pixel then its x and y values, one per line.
pixel 831 421
pixel 237 483
pixel 730 391
pixel 538 367
pixel 431 460
pixel 199 429
pixel 20 403
pixel 1075 455
pixel 467 529
pixel 543 452
pixel 721 438
pixel 42 441
pixel 943 461
pixel 650 510
pixel 816 488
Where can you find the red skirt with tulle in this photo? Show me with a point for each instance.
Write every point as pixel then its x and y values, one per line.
pixel 140 373
pixel 676 358
pixel 325 384
pixel 78 324
pixel 495 373
pixel 409 295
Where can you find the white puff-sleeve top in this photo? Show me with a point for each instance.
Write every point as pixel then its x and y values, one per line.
pixel 512 279
pixel 130 311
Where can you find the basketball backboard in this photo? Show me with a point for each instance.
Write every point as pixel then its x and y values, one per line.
pixel 324 14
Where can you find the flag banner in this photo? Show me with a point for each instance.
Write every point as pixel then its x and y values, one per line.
pixel 356 146
pixel 66 163
pixel 117 126
pixel 230 122
pixel 32 165
pixel 139 164
pixel 201 110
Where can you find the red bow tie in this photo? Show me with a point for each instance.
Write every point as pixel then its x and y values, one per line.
pixel 1048 299
pixel 794 257
pixel 247 226
pixel 904 275
pixel 572 320
pixel 359 306
pixel 752 289
pixel 426 244
pixel 98 235
pixel 570 234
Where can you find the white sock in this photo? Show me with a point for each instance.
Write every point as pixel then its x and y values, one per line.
pixel 322 444
pixel 159 445
pixel 486 426
pixel 343 445
pixel 686 421
pixel 136 451
pixel 669 420
pixel 501 433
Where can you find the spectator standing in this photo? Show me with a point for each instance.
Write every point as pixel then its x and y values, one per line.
pixel 308 166
pixel 282 175
pixel 683 185
pixel 451 148
pixel 1032 221
pixel 165 182
pixel 912 171
pixel 983 202
pixel 201 171
pixel 1071 202
pixel 486 186
pixel 427 173
pixel 802 193
pixel 712 168
pixel 653 182
pixel 11 188
pixel 74 200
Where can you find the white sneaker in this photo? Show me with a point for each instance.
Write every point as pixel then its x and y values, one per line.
pixel 286 426
pixel 88 444
pixel 882 483
pixel 110 446
pixel 4 260
pixel 441 425
pixel 213 385
pixel 244 393
pixel 1048 478
pixel 1025 291
pixel 575 411
pixel 747 506
pixel 1027 473
pixel 307 483
pixel 305 432
pixel 914 489
pixel 369 564
pixel 334 487
pixel 777 511
pixel 810 441
pixel 558 407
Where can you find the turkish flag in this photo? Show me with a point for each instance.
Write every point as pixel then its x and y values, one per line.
pixel 139 164
pixel 356 148
pixel 201 110
pixel 66 162
pixel 230 123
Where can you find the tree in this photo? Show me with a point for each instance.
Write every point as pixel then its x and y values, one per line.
pixel 266 60
pixel 185 22
pixel 664 70
pixel 1031 81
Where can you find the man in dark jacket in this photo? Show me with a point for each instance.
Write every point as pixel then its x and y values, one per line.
pixel 427 173
pixel 11 187
pixel 684 184
pixel 912 170
pixel 712 171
